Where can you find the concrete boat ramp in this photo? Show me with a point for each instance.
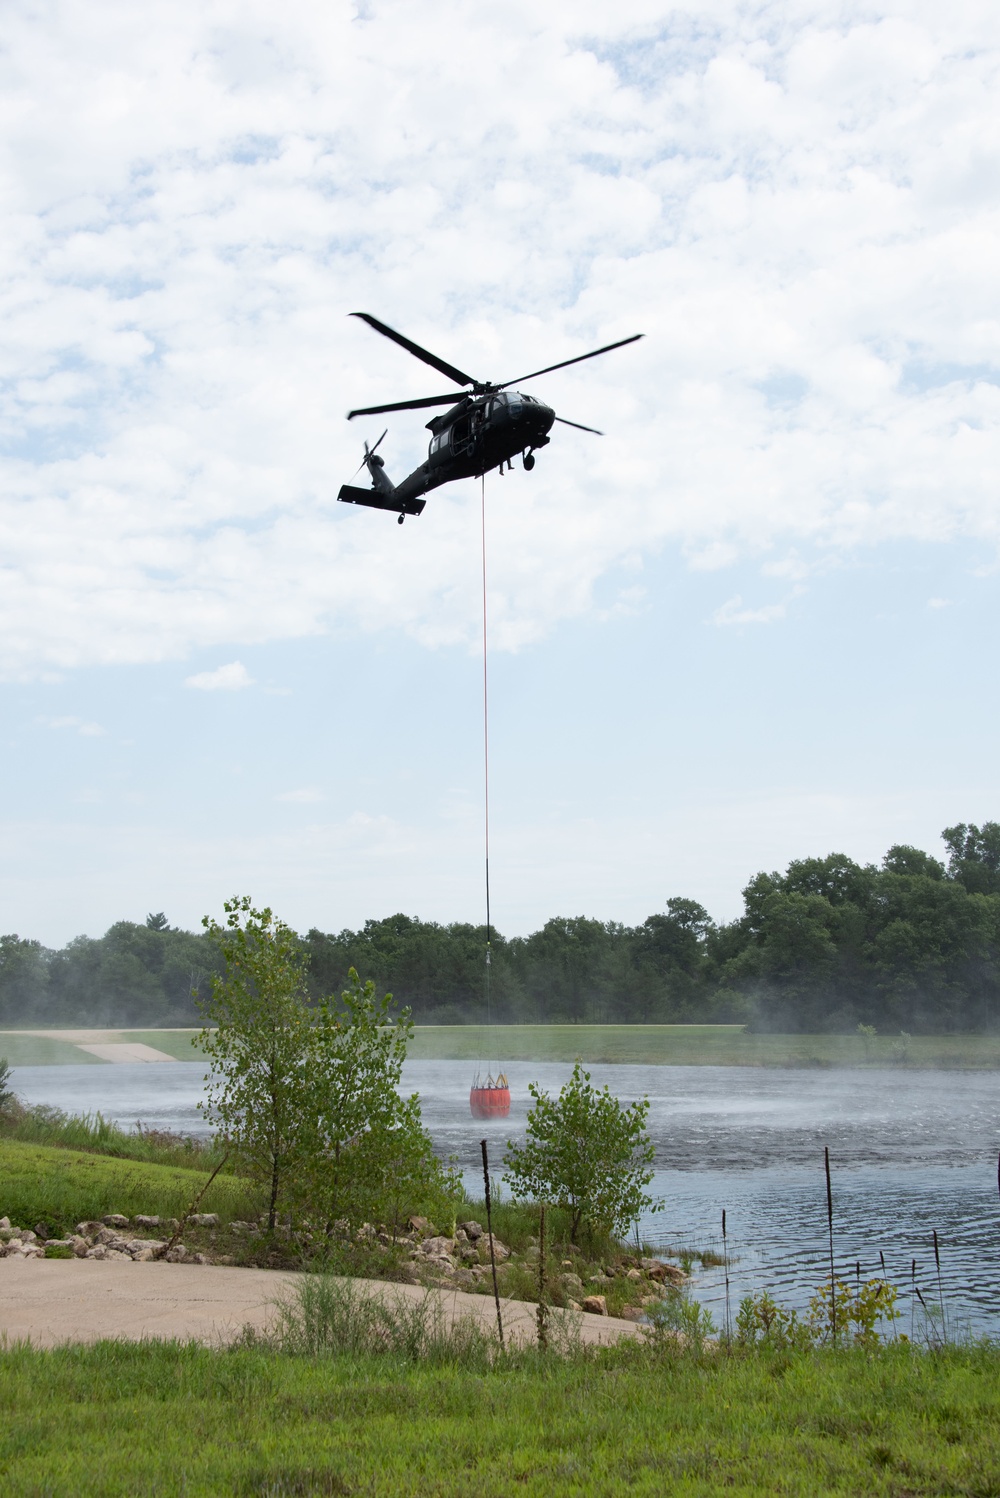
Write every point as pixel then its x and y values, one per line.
pixel 52 1301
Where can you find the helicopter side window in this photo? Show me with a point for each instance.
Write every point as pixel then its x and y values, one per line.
pixel 436 441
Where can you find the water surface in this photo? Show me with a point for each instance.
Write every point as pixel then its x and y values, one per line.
pixel 911 1151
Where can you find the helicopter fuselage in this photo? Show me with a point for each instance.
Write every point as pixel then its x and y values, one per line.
pixel 477 434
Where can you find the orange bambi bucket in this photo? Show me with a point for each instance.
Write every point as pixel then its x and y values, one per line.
pixel 491 1100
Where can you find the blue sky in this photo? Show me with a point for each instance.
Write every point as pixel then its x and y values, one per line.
pixel 753 622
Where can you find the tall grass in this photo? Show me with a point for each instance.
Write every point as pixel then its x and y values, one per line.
pixel 92 1133
pixel 330 1317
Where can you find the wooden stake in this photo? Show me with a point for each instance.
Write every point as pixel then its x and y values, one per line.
pixel 543 1340
pixel 829 1221
pixel 489 1226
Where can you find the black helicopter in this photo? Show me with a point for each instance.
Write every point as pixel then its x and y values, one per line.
pixel 485 430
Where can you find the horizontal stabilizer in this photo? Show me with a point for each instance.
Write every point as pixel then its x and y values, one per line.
pixel 376 501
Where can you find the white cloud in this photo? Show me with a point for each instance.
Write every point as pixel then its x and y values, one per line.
pixel 231 678
pixel 87 730
pixel 733 612
pixel 307 796
pixel 796 206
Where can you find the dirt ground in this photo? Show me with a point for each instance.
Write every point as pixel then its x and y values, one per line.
pixel 50 1301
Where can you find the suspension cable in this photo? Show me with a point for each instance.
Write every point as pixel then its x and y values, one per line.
pixel 486 760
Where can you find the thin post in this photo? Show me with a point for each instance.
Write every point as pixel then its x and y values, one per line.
pixel 192 1209
pixel 725 1265
pixel 829 1223
pixel 543 1339
pixel 489 1228
pixel 937 1261
pixel 885 1281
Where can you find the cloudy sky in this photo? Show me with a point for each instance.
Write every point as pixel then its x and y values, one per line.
pixel 755 621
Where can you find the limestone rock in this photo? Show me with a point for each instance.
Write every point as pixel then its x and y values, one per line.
pixel 109 1238
pixel 633 1274
pixel 178 1254
pixel 438 1246
pixel 572 1284
pixel 78 1244
pixel 4 1224
pixel 205 1219
pixel 146 1222
pixel 88 1229
pixel 115 1220
pixel 597 1305
pixel 632 1313
pixel 472 1230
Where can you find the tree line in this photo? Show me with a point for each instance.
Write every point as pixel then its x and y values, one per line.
pixel 912 943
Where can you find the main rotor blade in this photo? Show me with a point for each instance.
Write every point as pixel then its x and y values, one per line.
pixel 428 400
pixel 414 348
pixel 579 427
pixel 578 360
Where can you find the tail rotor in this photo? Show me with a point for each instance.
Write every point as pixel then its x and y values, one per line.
pixel 369 454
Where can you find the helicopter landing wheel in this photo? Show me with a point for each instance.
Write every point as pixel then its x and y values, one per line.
pixel 401 519
pixel 529 462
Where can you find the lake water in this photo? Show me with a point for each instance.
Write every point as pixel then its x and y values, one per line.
pixel 911 1152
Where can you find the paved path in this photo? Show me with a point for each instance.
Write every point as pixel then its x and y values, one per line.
pixel 50 1301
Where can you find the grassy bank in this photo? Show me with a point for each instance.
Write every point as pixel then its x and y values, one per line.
pixel 702 1045
pixel 167 1419
pixel 58 1186
pixel 663 1045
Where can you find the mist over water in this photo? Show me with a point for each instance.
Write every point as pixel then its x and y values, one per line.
pixel 911 1151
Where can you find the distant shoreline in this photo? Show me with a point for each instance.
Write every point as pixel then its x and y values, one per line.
pixel 656 1045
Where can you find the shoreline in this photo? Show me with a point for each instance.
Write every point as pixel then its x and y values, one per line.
pixel 639 1045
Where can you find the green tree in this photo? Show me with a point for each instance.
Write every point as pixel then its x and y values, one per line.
pixel 974 856
pixel 6 1091
pixel 369 1155
pixel 257 1037
pixel 24 980
pixel 587 1153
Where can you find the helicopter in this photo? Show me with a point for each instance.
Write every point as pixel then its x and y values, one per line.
pixel 485 428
